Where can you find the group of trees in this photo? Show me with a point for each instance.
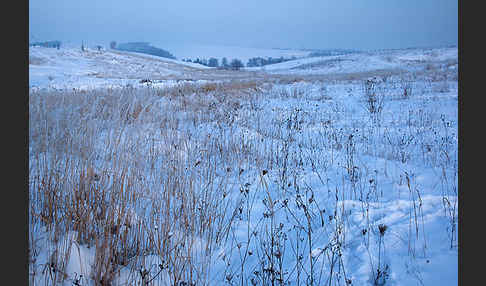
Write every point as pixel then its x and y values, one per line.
pixel 47 44
pixel 142 47
pixel 333 52
pixel 212 62
pixel 235 64
pixel 259 61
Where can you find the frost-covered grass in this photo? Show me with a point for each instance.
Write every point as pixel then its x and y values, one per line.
pixel 269 181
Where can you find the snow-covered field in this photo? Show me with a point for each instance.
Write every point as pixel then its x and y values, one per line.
pixel 284 176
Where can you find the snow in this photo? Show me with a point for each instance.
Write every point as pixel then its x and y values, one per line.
pixel 201 51
pixel 402 178
pixel 361 61
pixel 69 68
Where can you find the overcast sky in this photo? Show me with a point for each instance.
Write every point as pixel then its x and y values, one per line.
pixel 312 24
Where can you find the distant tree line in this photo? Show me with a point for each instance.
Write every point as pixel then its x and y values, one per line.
pixel 236 64
pixel 259 61
pixel 142 47
pixel 331 52
pixel 47 44
pixel 212 62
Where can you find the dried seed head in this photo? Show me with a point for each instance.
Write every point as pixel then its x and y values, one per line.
pixel 382 228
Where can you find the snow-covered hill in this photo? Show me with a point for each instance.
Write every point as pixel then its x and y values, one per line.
pixel 70 67
pixel 407 59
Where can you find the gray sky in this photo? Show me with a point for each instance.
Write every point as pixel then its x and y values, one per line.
pixel 313 24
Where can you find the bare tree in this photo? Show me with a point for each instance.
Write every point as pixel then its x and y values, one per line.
pixel 236 64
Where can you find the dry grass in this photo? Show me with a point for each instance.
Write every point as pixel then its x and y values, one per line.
pixel 174 173
pixel 33 60
pixel 93 172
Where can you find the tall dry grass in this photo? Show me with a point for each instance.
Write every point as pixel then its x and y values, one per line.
pixel 136 173
pixel 169 186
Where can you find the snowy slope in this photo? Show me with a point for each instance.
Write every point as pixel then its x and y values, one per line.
pixel 363 61
pixel 69 68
